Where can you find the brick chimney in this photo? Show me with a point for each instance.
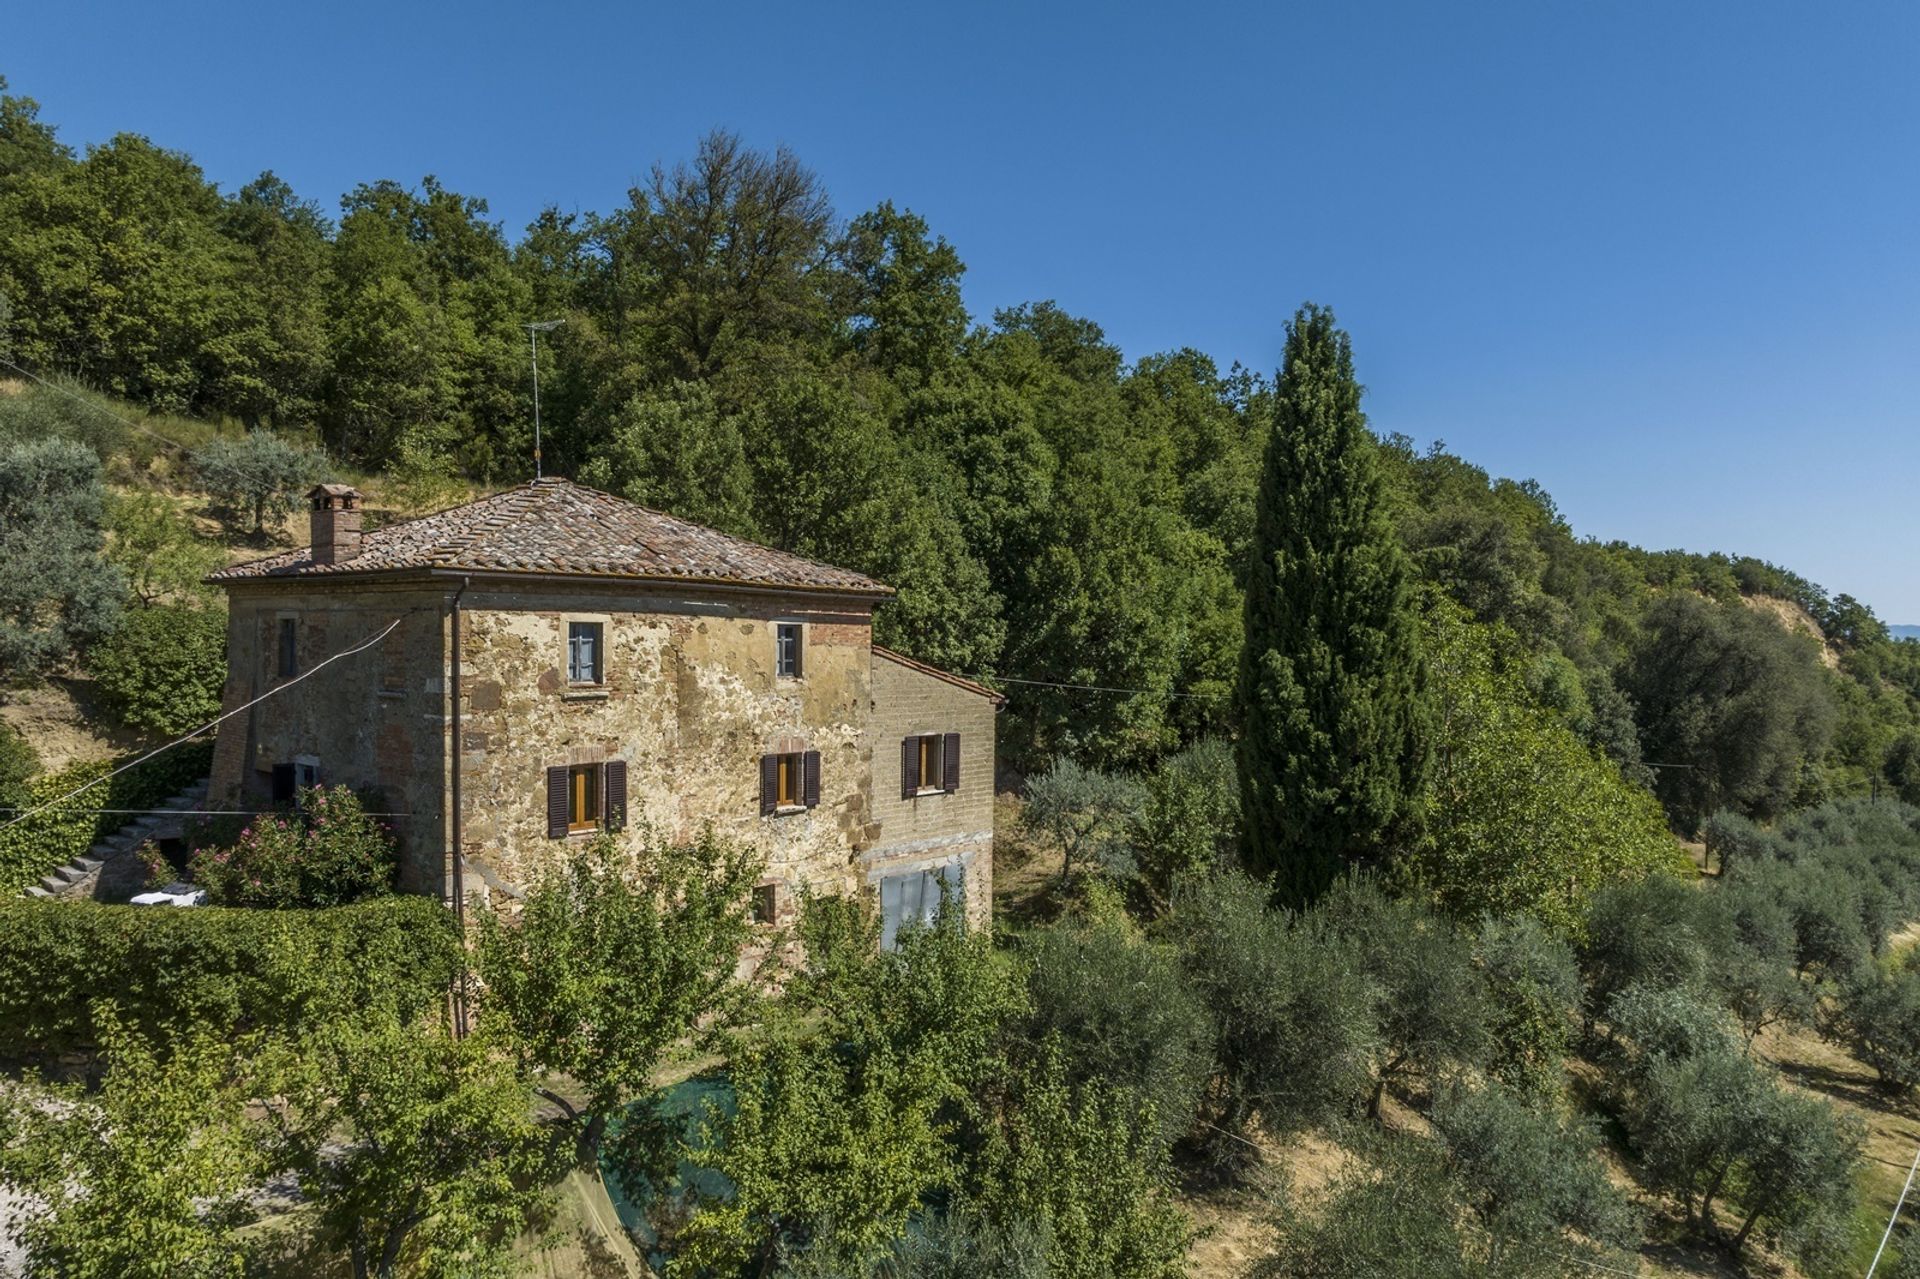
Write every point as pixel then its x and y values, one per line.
pixel 336 522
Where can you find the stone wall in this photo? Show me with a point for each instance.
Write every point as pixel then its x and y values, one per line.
pixel 932 828
pixel 374 720
pixel 690 701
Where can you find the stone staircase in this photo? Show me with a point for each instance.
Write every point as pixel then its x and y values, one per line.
pixel 108 870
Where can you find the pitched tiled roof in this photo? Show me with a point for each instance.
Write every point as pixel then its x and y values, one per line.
pixel 557 527
pixel 958 681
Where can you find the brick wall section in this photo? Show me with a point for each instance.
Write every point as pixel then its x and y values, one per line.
pixel 932 829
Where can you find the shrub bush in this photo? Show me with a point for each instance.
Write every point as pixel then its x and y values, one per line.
pixel 1293 1017
pixel 18 763
pixel 163 667
pixel 1124 1012
pixel 57 836
pixel 209 966
pixel 327 852
pixel 1533 993
pixel 1429 1001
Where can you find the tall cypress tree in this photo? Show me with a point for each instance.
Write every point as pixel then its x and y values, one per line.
pixel 1332 743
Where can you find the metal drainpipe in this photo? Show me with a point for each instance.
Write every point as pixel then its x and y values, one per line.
pixel 458 875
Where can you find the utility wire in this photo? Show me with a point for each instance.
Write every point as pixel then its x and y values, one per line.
pixel 211 724
pixel 57 389
pixel 1897 1205
pixel 1094 688
pixel 188 812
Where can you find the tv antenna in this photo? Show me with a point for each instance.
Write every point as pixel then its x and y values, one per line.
pixel 534 330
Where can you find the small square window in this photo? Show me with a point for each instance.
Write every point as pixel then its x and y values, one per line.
pixel 583 797
pixel 766 901
pixel 585 649
pixel 786 650
pixel 306 772
pixel 289 648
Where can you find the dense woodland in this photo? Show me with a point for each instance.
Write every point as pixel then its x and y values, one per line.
pixel 1359 777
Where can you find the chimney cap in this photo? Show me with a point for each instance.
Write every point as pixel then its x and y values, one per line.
pixel 320 493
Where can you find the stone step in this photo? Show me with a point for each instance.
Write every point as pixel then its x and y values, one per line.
pixel 88 862
pixel 34 890
pixel 52 883
pixel 70 873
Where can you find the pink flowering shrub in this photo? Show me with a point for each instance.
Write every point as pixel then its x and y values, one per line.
pixel 327 852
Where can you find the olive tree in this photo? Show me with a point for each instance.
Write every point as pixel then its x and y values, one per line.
pixel 1294 1030
pixel 255 478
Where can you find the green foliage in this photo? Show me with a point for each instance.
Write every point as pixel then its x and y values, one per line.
pixel 825 1148
pixel 1532 980
pixel 676 450
pixel 1120 1009
pixel 1189 822
pixel 147 1179
pixel 1710 1126
pixel 1083 813
pixel 19 763
pixel 327 852
pixel 1398 1213
pixel 59 592
pixel 1294 1031
pixel 1736 703
pixel 1428 1000
pixel 1523 815
pixel 256 478
pixel 1530 1174
pixel 1646 933
pixel 1878 1019
pixel 843 1116
pixel 157 549
pixel 37 844
pixel 226 970
pixel 1333 748
pixel 1083 1157
pixel 420 1150
pixel 162 668
pixel 620 950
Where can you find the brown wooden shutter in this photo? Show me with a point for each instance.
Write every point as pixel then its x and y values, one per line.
pixel 950 763
pixel 769 784
pixel 615 771
pixel 558 809
pixel 909 766
pixel 810 779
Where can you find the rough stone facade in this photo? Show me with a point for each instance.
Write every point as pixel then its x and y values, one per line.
pixel 376 719
pixel 689 699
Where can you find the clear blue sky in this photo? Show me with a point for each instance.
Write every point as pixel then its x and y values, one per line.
pixel 1663 257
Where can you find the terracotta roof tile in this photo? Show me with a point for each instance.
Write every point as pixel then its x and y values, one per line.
pixel 557 527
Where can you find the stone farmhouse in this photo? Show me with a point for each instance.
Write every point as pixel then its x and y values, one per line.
pixel 551 662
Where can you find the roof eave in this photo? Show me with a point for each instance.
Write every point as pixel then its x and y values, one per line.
pixel 876 593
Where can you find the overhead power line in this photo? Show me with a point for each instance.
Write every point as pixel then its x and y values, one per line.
pixel 1096 688
pixel 211 724
pixel 127 422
